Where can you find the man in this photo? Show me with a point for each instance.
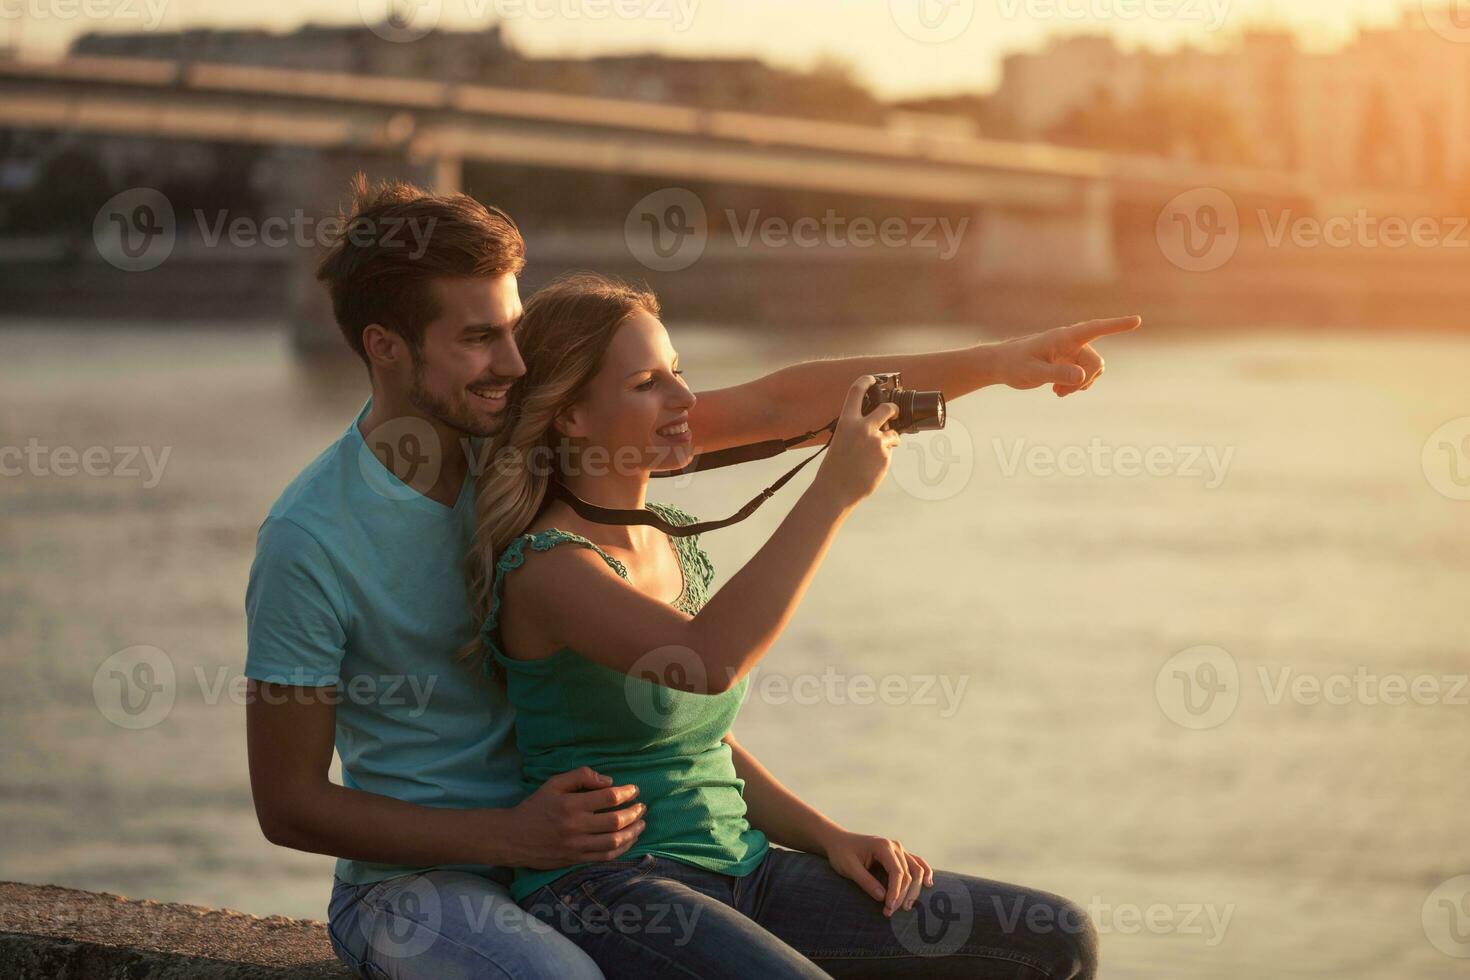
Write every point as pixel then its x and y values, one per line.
pixel 357 600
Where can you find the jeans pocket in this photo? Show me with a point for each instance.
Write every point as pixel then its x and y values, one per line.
pixel 346 956
pixel 345 931
pixel 342 921
pixel 594 883
pixel 371 972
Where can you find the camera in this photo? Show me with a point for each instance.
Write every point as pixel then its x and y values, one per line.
pixel 917 410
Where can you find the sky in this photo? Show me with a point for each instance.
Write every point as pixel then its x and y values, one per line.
pixel 898 47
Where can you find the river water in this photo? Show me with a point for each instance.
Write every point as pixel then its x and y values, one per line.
pixel 1189 649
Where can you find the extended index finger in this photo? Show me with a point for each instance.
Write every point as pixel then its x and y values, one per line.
pixel 1090 330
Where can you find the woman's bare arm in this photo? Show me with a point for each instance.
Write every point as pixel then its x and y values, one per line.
pixel 575 600
pixel 796 398
pixel 776 811
pixel 789 821
pixel 578 601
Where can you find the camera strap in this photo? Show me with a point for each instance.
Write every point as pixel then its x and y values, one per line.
pixel 704 461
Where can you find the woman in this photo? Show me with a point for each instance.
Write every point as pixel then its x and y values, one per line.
pixel 607 671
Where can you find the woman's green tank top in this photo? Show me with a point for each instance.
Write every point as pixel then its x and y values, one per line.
pixel 571 711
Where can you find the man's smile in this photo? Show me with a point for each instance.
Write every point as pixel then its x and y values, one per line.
pixel 491 395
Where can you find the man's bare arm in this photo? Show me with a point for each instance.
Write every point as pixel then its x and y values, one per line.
pixel 804 396
pixel 289 731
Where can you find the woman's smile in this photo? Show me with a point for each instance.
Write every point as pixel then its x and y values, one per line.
pixel 676 431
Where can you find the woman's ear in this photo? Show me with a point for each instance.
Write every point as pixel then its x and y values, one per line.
pixel 568 422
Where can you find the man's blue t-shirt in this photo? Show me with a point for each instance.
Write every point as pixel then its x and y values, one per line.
pixel 358 581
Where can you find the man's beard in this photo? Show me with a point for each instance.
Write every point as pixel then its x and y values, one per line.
pixel 457 417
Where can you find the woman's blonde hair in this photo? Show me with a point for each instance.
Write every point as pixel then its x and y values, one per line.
pixel 563 334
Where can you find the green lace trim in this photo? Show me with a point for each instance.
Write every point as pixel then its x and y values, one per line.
pixel 699 571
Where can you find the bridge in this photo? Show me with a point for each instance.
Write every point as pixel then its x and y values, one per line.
pixel 1043 213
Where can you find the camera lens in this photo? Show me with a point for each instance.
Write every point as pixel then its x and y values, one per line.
pixel 919 410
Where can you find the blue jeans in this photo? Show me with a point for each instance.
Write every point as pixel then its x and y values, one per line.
pixel 796 917
pixel 446 925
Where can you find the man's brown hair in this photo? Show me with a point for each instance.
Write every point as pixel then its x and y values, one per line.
pixel 396 241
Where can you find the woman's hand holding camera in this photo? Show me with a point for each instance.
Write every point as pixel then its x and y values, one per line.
pixel 858 456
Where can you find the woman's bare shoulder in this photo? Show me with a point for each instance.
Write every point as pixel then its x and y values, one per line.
pixel 557 516
pixel 559 562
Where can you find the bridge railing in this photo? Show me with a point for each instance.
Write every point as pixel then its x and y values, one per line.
pixel 591 112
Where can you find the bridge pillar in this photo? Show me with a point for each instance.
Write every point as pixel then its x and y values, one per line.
pixel 315 184
pixel 448 174
pixel 1072 245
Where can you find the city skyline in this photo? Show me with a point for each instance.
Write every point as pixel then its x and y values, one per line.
pixel 957 49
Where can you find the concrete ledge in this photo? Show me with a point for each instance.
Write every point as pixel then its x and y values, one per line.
pixel 50 932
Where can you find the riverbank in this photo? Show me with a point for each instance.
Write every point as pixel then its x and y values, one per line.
pixel 817 290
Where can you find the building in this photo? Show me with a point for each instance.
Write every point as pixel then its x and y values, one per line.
pixel 466 56
pixel 1390 109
